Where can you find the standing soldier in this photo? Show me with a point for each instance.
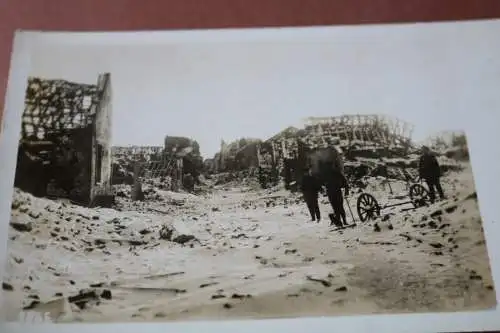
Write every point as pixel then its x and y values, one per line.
pixel 430 171
pixel 328 167
pixel 334 183
pixel 310 189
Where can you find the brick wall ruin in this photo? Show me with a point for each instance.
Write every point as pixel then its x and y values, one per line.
pixel 64 149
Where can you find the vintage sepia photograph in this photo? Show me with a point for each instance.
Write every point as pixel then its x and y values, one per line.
pixel 252 179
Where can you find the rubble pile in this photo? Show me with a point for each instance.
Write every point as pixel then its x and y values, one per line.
pixel 244 177
pixel 39 227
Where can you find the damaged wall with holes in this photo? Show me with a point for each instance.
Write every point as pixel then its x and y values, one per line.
pixel 64 149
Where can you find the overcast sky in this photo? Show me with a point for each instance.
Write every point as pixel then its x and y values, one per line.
pixel 254 87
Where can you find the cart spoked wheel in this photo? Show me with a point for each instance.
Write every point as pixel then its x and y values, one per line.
pixel 368 207
pixel 419 195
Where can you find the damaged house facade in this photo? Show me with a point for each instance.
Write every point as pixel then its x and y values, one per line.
pixel 65 149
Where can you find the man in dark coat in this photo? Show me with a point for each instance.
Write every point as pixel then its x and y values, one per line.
pixel 310 187
pixel 334 183
pixel 328 167
pixel 430 171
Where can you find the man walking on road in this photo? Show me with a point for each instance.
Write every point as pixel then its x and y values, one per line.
pixel 430 171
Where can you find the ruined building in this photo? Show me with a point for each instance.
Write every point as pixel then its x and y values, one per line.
pixel 187 154
pixel 167 165
pixel 125 157
pixel 285 154
pixel 148 152
pixel 64 149
pixel 236 156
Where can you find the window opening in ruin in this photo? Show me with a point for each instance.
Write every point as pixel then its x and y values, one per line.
pixel 86 102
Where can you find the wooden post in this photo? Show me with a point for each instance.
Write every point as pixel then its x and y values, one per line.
pixel 136 187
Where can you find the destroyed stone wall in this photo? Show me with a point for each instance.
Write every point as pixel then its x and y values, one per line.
pixel 236 156
pixel 137 150
pixel 56 155
pixel 102 170
pixel 58 167
pixel 125 157
pixel 268 171
pixel 189 151
pixel 247 157
pixel 167 166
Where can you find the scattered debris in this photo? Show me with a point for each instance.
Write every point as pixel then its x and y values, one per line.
pixel 239 296
pixel 325 283
pixel 22 227
pixel 204 285
pixel 7 286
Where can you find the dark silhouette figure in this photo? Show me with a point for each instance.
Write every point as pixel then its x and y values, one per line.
pixel 334 182
pixel 327 166
pixel 310 189
pixel 430 171
pixel 189 182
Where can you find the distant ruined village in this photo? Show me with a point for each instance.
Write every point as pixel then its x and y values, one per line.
pixel 65 148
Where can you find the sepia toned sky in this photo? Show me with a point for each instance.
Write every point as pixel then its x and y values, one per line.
pixel 256 83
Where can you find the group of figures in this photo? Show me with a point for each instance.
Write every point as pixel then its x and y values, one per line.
pixel 324 174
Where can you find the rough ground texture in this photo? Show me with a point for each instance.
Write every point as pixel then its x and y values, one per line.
pixel 237 251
